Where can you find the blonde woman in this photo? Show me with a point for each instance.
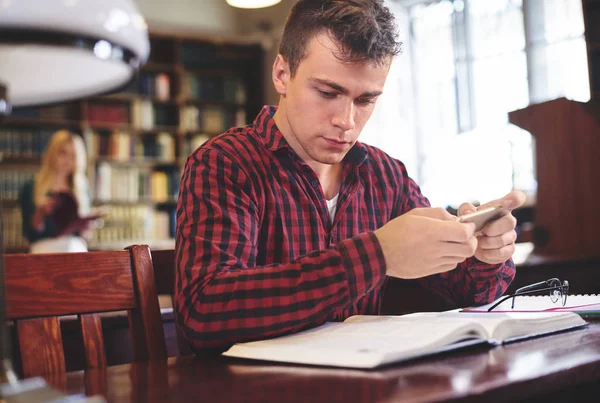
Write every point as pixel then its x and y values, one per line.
pixel 43 203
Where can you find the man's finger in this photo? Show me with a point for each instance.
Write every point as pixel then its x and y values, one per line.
pixel 466 208
pixel 511 201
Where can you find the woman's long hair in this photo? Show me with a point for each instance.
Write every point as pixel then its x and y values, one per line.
pixel 77 181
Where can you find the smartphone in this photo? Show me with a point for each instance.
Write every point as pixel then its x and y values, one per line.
pixel 483 216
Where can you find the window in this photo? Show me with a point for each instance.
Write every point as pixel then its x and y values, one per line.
pixel 471 62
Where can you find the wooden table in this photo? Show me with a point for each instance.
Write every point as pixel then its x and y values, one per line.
pixel 562 367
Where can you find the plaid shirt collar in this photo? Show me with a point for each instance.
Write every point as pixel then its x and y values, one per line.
pixel 267 130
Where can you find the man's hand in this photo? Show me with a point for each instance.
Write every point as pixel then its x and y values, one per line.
pixel 425 241
pixel 496 241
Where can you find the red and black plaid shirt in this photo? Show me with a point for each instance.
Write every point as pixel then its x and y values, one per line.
pixel 257 255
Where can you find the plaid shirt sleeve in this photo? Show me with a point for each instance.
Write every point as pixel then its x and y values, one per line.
pixel 222 297
pixel 472 282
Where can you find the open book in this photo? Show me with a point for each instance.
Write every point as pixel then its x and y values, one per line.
pixel 370 341
pixel 65 216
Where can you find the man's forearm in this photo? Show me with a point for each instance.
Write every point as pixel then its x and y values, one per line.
pixel 233 305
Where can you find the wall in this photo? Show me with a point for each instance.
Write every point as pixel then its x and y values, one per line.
pixel 265 25
pixel 190 16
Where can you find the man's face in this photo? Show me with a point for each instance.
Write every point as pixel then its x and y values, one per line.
pixel 327 103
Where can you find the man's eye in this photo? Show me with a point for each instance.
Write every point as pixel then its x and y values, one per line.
pixel 326 94
pixel 365 101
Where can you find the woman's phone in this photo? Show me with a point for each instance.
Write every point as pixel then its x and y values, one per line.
pixel 483 216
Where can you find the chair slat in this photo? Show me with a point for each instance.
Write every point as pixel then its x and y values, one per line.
pixel 68 283
pixel 93 341
pixel 41 341
pixel 148 302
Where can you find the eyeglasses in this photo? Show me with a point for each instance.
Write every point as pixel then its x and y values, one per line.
pixel 556 290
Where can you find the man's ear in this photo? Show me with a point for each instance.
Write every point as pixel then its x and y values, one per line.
pixel 281 75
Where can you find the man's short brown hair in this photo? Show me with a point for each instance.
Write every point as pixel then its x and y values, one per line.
pixel 365 30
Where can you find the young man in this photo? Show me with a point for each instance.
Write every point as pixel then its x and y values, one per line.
pixel 290 222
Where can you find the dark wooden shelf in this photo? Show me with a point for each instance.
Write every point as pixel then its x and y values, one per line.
pixel 10 203
pixel 131 129
pixel 191 133
pixel 226 104
pixel 161 67
pixel 19 160
pixel 128 97
pixel 134 161
pixel 22 121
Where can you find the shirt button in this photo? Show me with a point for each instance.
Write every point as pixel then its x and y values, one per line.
pixel 315 183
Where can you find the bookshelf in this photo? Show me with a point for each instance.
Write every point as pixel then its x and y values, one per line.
pixel 137 140
pixel 591 18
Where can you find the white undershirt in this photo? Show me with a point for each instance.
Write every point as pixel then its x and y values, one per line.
pixel 331 206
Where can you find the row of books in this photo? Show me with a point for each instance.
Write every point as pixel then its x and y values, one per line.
pixel 126 224
pixel 144 114
pixel 147 115
pixel 122 146
pixel 211 119
pixel 155 85
pixel 68 111
pixel 24 142
pixel 133 184
pixel 193 142
pixel 11 182
pixel 115 113
pixel 135 222
pixel 13 228
pixel 214 88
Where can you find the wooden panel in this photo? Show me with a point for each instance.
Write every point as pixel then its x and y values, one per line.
pixel 148 303
pixel 93 341
pixel 96 382
pixel 567 165
pixel 42 342
pixel 163 262
pixel 65 284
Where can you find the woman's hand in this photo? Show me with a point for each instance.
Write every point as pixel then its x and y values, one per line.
pixel 42 211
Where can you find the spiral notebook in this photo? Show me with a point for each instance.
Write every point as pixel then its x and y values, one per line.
pixel 585 305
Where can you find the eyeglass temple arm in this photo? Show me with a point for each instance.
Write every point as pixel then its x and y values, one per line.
pixel 501 301
pixel 532 287
pixel 564 287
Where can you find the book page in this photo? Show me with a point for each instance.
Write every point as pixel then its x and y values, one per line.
pixel 502 326
pixel 363 341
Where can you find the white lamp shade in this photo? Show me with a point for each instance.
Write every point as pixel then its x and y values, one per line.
pixel 58 50
pixel 252 3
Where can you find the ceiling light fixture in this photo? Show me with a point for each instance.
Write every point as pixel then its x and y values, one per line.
pixel 252 3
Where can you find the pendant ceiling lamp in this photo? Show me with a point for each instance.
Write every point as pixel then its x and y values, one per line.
pixel 59 50
pixel 252 3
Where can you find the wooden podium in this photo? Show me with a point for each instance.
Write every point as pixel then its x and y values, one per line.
pixel 567 153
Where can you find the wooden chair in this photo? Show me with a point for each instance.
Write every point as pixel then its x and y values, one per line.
pixel 41 288
pixel 163 262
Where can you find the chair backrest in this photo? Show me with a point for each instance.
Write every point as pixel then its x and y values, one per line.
pixel 41 288
pixel 163 262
